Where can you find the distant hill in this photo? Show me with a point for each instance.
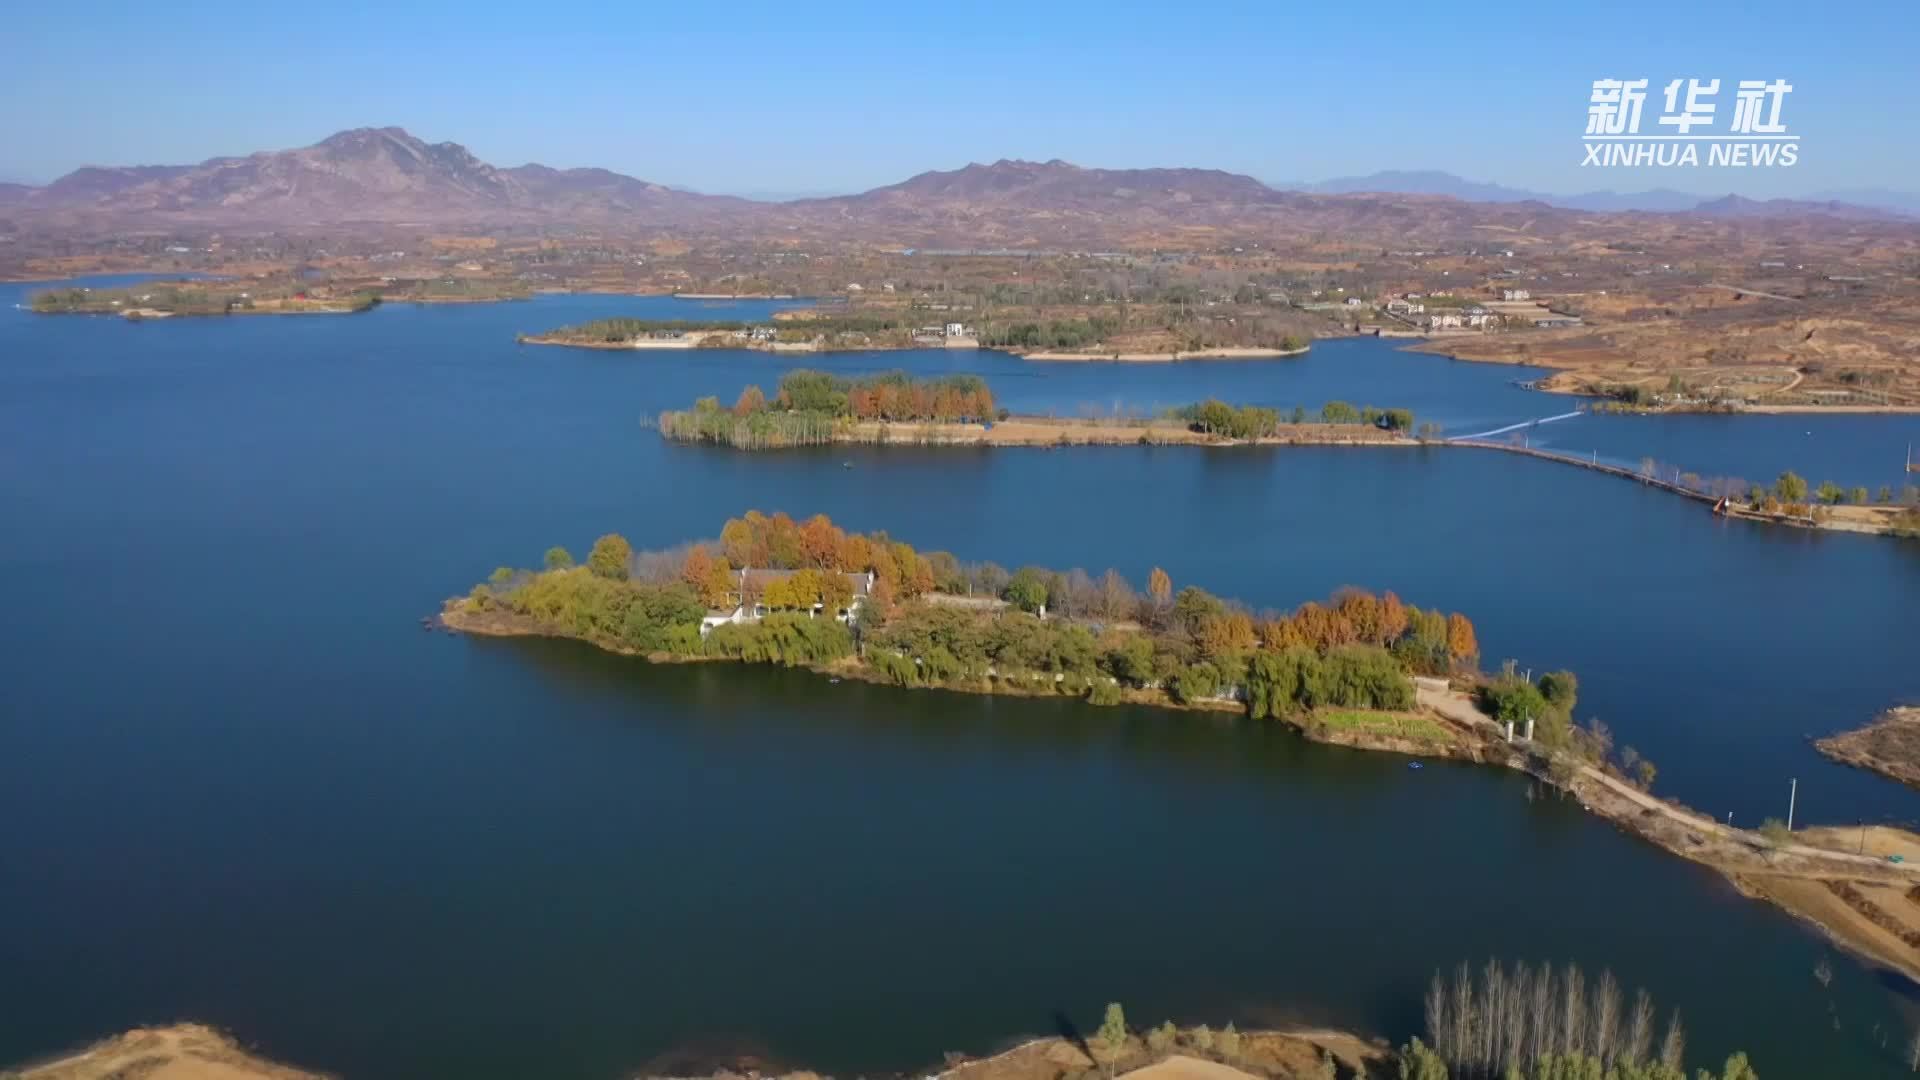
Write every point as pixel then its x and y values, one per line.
pixel 1735 206
pixel 366 174
pixel 1425 182
pixel 1653 200
pixel 1660 200
pixel 1900 202
pixel 1060 184
pixel 388 177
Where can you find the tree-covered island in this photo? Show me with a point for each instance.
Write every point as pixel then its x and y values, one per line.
pixel 1053 334
pixel 1362 669
pixel 811 408
pixel 167 299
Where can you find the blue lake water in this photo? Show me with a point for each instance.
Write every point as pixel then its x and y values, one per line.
pixel 241 785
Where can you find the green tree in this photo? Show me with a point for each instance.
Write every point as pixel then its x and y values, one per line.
pixel 501 575
pixel 1194 682
pixel 1113 1034
pixel 558 558
pixel 1775 833
pixel 1790 488
pixel 1417 1062
pixel 1511 698
pixel 1858 496
pixel 1228 1042
pixel 1027 589
pixel 610 557
pixel 1831 493
pixel 1161 1039
pixel 1561 689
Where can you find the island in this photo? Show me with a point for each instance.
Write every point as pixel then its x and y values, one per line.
pixel 813 408
pixel 1362 670
pixel 1074 335
pixel 166 299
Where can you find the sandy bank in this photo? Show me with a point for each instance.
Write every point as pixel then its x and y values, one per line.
pixel 1890 746
pixel 180 1052
pixel 1277 1055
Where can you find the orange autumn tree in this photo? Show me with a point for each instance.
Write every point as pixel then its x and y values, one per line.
pixel 1230 632
pixel 1461 644
pixel 750 401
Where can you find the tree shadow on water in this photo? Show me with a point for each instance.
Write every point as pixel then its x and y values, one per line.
pixel 1064 1026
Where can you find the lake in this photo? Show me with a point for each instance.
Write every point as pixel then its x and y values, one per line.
pixel 242 785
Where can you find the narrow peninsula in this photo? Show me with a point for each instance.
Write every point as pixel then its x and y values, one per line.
pixel 1361 670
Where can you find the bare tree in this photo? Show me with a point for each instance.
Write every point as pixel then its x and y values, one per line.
pixel 1117 600
pixel 1541 1041
pixel 1573 1011
pixel 1606 1018
pixel 1462 1039
pixel 1436 1006
pixel 1640 1030
pixel 1673 1048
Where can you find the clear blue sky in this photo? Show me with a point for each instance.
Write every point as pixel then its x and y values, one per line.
pixel 836 97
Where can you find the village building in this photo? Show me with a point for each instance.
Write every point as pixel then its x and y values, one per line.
pixel 751 585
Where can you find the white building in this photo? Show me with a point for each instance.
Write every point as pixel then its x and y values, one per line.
pixel 752 585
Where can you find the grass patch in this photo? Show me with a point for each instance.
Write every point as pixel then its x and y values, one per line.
pixel 1394 724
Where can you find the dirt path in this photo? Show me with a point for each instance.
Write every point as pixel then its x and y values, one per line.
pixel 1838 879
pixel 1458 707
pixel 1743 290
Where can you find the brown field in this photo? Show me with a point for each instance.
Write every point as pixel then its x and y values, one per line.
pixel 1779 355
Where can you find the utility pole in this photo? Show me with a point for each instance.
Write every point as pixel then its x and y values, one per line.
pixel 1793 789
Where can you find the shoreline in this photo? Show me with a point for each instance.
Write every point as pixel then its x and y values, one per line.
pixel 190 1050
pixel 1046 432
pixel 1785 870
pixel 1437 346
pixel 699 339
pixel 1230 353
pixel 1877 745
pixel 1741 512
pixel 1050 432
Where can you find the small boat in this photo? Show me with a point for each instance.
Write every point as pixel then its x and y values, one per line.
pixel 831 682
pixel 1414 765
pixel 846 464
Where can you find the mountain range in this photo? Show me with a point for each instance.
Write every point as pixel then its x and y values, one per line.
pixel 388 176
pixel 1850 201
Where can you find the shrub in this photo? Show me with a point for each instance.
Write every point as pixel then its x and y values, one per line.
pixel 1192 683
